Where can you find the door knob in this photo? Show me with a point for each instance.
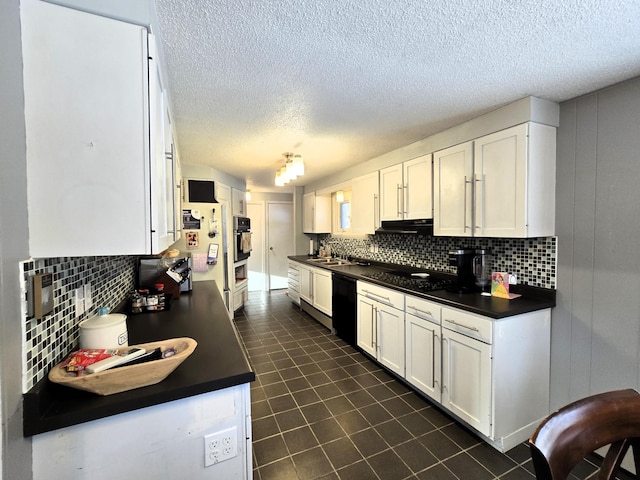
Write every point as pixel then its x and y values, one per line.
pixel 270 248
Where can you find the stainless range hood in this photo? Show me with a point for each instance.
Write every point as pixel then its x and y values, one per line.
pixel 423 226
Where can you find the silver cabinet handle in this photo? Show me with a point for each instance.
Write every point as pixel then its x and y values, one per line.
pixel 376 213
pixel 473 329
pixel 399 199
pixel 405 198
pixel 375 296
pixel 421 311
pixel 374 328
pixel 464 206
pixel 476 187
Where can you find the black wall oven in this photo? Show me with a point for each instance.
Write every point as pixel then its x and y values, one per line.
pixel 241 238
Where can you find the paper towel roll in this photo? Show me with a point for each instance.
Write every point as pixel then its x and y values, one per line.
pixel 310 247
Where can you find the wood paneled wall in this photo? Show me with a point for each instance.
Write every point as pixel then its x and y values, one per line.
pixel 596 325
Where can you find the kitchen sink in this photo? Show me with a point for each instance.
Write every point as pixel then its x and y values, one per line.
pixel 330 261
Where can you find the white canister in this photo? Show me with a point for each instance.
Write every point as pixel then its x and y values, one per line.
pixel 105 330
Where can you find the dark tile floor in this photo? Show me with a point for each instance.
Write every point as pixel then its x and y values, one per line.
pixel 321 409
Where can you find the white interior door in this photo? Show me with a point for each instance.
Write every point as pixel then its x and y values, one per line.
pixel 256 262
pixel 280 242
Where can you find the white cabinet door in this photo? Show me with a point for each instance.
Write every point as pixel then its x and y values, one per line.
pixel 515 181
pixel 306 284
pixel 391 193
pixel 423 346
pixel 308 212
pixel 453 191
pixel 423 361
pixel 390 338
pixel 381 325
pixel 162 209
pixel 87 133
pixel 322 290
pixel 418 191
pixel 316 211
pixel 365 204
pixel 223 192
pixel 238 203
pixel 500 188
pixel 366 325
pixel 466 379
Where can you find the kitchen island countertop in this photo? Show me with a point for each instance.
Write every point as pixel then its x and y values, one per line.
pixel 218 362
pixel 532 299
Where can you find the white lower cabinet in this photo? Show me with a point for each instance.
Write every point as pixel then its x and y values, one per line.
pixel 423 346
pixel 491 374
pixel 380 325
pixel 293 282
pixel 466 379
pixel 496 372
pixel 306 283
pixel 316 288
pixel 322 290
pixel 240 297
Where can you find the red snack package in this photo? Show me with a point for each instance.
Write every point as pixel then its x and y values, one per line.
pixel 78 361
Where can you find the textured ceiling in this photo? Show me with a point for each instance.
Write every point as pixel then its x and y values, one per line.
pixel 342 82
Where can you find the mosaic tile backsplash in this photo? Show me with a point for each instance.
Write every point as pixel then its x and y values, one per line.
pixel 533 260
pixel 48 340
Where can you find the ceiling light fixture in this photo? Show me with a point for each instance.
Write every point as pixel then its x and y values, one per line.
pixel 293 168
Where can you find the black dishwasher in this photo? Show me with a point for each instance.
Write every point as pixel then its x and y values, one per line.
pixel 344 307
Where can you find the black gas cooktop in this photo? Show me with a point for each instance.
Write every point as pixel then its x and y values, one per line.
pixel 417 282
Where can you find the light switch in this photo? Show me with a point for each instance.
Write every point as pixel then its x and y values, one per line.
pixel 88 296
pixel 79 301
pixel 41 301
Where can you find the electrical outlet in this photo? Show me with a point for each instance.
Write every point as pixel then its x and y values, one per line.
pixel 220 446
pixel 513 279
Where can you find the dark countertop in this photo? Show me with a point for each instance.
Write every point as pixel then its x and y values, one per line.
pixel 532 299
pixel 218 362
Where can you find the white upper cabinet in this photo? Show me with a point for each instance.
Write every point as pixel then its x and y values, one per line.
pixel 163 227
pixel 96 165
pixel 391 193
pixel 223 192
pixel 406 190
pixel 316 210
pixel 452 191
pixel 499 185
pixel 418 189
pixel 514 182
pixel 365 215
pixel 238 203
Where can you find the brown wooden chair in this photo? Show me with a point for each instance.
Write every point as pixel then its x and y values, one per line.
pixel 565 437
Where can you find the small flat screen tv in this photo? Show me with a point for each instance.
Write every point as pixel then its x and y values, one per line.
pixel 201 191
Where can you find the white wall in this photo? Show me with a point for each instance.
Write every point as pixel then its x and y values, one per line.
pixel 524 110
pixel 164 441
pixel 15 453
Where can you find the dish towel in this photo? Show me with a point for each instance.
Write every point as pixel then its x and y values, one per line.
pixel 245 242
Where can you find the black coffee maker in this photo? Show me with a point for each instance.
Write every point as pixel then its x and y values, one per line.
pixel 462 259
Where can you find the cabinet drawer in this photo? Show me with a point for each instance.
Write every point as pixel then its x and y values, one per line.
pixel 293 267
pixel 423 309
pixel 474 326
pixel 383 295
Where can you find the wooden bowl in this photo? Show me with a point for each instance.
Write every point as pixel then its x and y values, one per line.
pixel 121 379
